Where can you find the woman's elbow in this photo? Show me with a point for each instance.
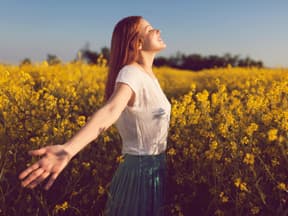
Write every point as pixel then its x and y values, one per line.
pixel 107 115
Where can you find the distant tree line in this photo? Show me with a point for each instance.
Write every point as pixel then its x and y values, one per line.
pixel 198 62
pixel 193 62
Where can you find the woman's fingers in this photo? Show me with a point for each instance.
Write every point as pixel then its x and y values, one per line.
pixel 27 171
pixel 35 166
pixel 37 181
pixel 38 152
pixel 33 176
pixel 53 161
pixel 51 180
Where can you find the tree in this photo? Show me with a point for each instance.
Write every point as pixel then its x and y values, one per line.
pixel 26 61
pixel 106 53
pixel 161 61
pixel 53 59
pixel 197 62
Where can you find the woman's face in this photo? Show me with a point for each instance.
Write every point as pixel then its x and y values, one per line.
pixel 151 40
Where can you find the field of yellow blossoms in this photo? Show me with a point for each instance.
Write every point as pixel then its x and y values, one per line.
pixel 227 145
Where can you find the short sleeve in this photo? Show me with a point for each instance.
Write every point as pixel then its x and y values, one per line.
pixel 129 76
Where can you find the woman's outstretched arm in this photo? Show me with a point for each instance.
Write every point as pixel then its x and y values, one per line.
pixel 100 120
pixel 56 157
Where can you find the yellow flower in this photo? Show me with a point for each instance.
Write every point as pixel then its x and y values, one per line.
pixel 179 180
pixel 237 182
pixel 282 186
pixel 233 146
pixel 61 207
pixel 249 159
pixel 255 210
pixel 245 140
pixel 172 151
pixel 81 120
pixel 101 190
pixel 55 130
pixel 229 119
pixel 106 138
pixel 94 172
pixel 45 127
pixel 33 139
pixel 86 165
pixel 193 86
pixel 267 118
pixel 241 185
pixel 209 154
pixel 223 198
pixel 120 159
pixel 272 134
pixel 74 172
pixel 202 96
pixel 213 145
pixel 223 129
pixel 227 160
pixel 33 112
pixel 75 108
pixel 275 162
pixel 214 99
pixel 251 129
pixel 44 64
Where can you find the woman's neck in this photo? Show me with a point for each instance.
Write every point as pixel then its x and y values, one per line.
pixel 146 62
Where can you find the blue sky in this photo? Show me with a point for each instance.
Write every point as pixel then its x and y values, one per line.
pixel 255 28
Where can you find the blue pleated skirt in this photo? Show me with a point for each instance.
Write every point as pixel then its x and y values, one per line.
pixel 138 186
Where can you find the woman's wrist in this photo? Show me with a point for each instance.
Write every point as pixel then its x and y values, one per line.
pixel 68 147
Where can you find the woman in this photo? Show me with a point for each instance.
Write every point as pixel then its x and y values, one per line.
pixel 140 110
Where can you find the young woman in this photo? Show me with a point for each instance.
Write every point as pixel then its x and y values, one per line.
pixel 140 110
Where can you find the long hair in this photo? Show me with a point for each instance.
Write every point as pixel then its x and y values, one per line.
pixel 123 50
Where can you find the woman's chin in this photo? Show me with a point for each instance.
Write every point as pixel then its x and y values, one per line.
pixel 163 46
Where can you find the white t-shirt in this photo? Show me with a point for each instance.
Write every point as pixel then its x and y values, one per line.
pixel 144 126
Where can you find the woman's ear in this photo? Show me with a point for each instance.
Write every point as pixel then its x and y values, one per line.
pixel 140 42
pixel 140 46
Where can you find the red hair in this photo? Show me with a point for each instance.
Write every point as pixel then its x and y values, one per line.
pixel 123 50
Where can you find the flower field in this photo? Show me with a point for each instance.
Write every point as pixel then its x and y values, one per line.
pixel 227 147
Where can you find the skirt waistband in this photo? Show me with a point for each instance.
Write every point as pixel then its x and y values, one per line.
pixel 144 160
pixel 161 155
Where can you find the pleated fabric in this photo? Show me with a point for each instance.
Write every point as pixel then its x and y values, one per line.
pixel 138 186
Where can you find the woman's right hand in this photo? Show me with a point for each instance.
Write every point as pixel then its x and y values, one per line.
pixel 54 160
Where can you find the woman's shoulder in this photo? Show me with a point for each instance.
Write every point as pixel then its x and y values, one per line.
pixel 129 73
pixel 129 67
pixel 130 70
